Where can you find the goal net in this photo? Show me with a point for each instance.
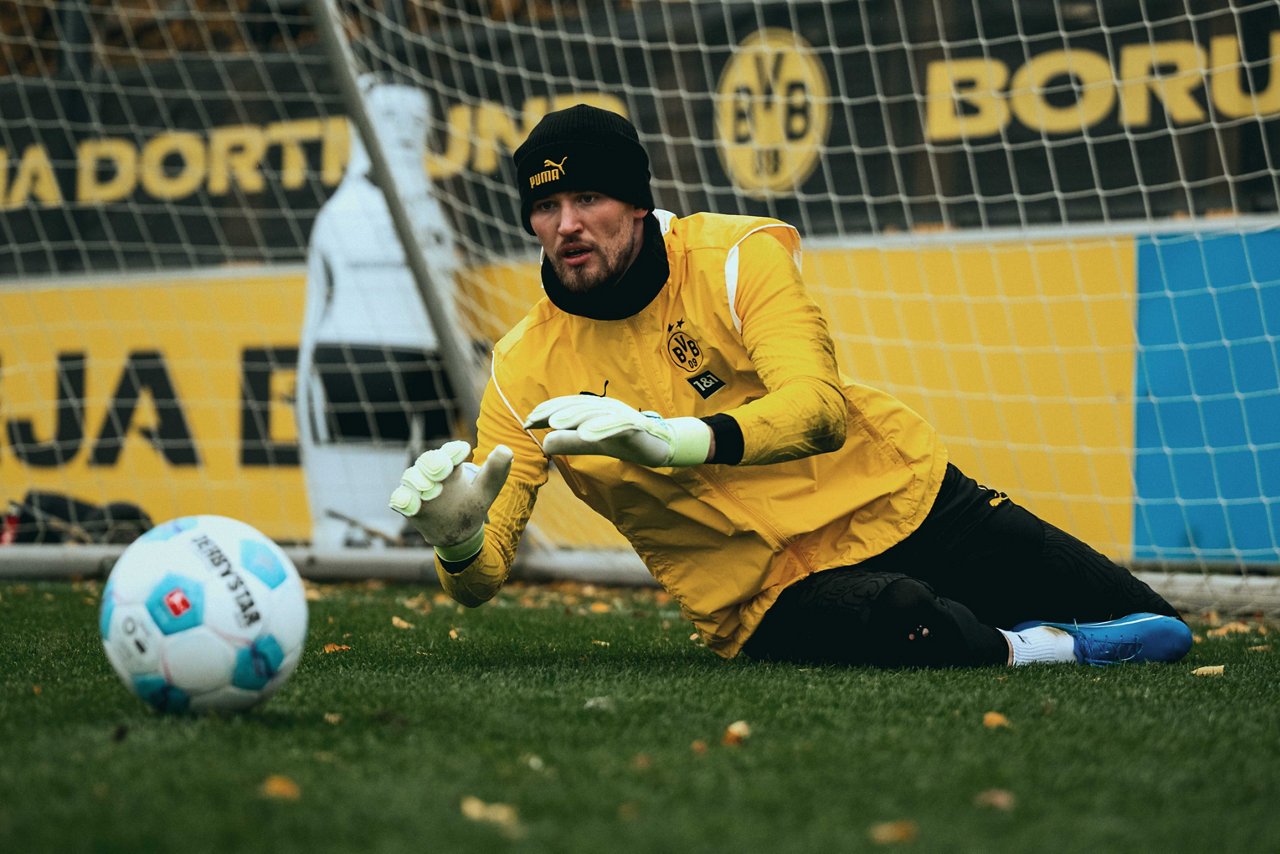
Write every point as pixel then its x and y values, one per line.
pixel 1051 228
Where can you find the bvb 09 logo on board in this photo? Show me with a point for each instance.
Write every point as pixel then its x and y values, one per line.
pixel 772 112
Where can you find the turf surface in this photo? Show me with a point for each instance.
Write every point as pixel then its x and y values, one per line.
pixel 561 720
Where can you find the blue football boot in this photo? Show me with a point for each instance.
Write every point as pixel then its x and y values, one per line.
pixel 1137 637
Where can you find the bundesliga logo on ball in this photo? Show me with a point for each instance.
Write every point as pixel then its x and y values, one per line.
pixel 203 613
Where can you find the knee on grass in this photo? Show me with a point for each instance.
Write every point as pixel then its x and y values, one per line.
pixel 907 617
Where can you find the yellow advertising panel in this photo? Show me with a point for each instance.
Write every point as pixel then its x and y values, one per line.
pixel 1020 352
pixel 170 393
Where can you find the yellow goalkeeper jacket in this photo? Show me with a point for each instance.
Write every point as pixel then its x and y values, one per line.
pixel 825 472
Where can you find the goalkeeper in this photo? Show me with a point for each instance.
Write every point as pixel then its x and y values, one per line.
pixel 686 387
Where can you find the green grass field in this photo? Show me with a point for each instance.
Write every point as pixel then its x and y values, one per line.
pixel 562 720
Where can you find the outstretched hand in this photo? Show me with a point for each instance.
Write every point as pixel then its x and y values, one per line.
pixel 586 424
pixel 446 500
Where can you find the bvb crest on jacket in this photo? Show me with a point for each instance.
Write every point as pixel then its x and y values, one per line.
pixel 682 348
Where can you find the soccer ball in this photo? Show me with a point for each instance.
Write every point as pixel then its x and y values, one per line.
pixel 203 613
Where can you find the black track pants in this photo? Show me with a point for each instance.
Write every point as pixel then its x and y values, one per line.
pixel 934 600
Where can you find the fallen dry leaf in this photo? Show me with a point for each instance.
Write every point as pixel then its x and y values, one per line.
pixel 279 787
pixel 1233 628
pixel 497 813
pixel 453 634
pixel 600 643
pixel 698 746
pixel 736 733
pixel 1262 647
pixel 641 762
pixel 1209 670
pixel 995 720
pixel 503 816
pixel 334 647
pixel 997 799
pixel 420 603
pixel 599 608
pixel 332 718
pixel 890 832
pixel 401 624
pixel 37 690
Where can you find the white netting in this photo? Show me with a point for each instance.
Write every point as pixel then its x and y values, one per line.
pixel 1050 227
pixel 164 165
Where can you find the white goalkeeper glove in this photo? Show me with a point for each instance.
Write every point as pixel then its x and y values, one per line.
pixel 447 500
pixel 586 424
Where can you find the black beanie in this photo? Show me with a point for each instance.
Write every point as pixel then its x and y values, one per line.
pixel 582 148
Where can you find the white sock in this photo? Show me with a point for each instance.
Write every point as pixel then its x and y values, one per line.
pixel 1041 645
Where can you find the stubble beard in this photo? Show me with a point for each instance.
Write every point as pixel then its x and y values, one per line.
pixel 579 280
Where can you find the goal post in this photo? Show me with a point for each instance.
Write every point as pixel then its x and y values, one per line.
pixel 1051 228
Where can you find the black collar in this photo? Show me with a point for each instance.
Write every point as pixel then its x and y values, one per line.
pixel 625 296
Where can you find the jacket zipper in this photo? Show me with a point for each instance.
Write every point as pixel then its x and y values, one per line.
pixel 780 542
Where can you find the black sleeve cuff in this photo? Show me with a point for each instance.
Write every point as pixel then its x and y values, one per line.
pixel 728 437
pixel 453 567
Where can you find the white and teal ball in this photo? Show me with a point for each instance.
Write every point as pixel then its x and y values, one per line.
pixel 203 613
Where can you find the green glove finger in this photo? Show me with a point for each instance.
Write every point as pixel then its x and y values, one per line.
pixel 416 480
pixel 435 465
pixel 405 501
pixel 457 451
